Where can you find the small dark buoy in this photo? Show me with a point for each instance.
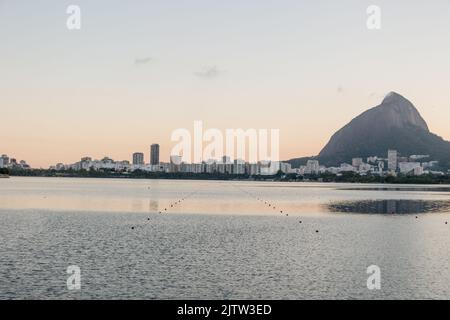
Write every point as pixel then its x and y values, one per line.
pixel 317 231
pixel 416 217
pixel 132 228
pixel 445 222
pixel 148 219
pixel 165 209
pixel 300 221
pixel 287 214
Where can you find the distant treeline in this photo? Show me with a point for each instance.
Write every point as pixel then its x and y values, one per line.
pixel 326 177
pixel 4 171
pixel 137 174
pixel 400 179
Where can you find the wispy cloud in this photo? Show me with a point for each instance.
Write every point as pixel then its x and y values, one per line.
pixel 141 61
pixel 210 72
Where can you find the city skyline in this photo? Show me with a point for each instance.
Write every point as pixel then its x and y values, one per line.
pixel 395 162
pixel 305 68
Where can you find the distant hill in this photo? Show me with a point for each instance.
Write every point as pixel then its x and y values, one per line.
pixel 394 124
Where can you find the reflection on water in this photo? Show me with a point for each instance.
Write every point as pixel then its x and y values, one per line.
pixel 400 188
pixel 223 242
pixel 153 206
pixel 390 206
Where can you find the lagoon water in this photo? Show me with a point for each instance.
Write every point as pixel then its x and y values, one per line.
pixel 221 239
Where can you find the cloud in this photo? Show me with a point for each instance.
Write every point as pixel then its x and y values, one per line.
pixel 141 61
pixel 208 72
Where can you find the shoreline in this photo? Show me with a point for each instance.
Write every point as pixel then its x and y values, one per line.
pixel 325 179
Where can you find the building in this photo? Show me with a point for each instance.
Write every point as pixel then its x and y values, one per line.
pixel 265 168
pixel 220 168
pixel 415 157
pixel 409 167
pixel 312 167
pixel 226 160
pixel 379 168
pixel 253 169
pixel 418 171
pixel 345 167
pixel 285 167
pixel 175 163
pixel 356 162
pixel 372 160
pixel 392 160
pixel 138 158
pixel 239 166
pixel 4 161
pixel 154 154
pixel 175 159
pixel 364 168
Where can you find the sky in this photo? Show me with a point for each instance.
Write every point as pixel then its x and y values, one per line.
pixel 138 70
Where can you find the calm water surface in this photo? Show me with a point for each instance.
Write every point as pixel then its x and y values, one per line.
pixel 225 240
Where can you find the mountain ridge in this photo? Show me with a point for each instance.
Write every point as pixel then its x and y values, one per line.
pixel 393 124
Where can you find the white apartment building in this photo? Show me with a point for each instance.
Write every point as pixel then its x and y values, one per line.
pixel 345 167
pixel 392 160
pixel 408 167
pixel 285 167
pixel 312 167
pixel 239 166
pixel 356 162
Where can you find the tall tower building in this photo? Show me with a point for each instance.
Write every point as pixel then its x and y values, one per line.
pixel 392 160
pixel 154 154
pixel 138 158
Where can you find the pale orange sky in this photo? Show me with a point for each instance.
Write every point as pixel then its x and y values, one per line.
pixel 289 65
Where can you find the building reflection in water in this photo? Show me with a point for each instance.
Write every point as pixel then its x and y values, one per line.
pixel 153 206
pixel 390 206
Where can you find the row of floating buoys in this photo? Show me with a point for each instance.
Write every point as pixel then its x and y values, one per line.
pixel 269 204
pixel 171 205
